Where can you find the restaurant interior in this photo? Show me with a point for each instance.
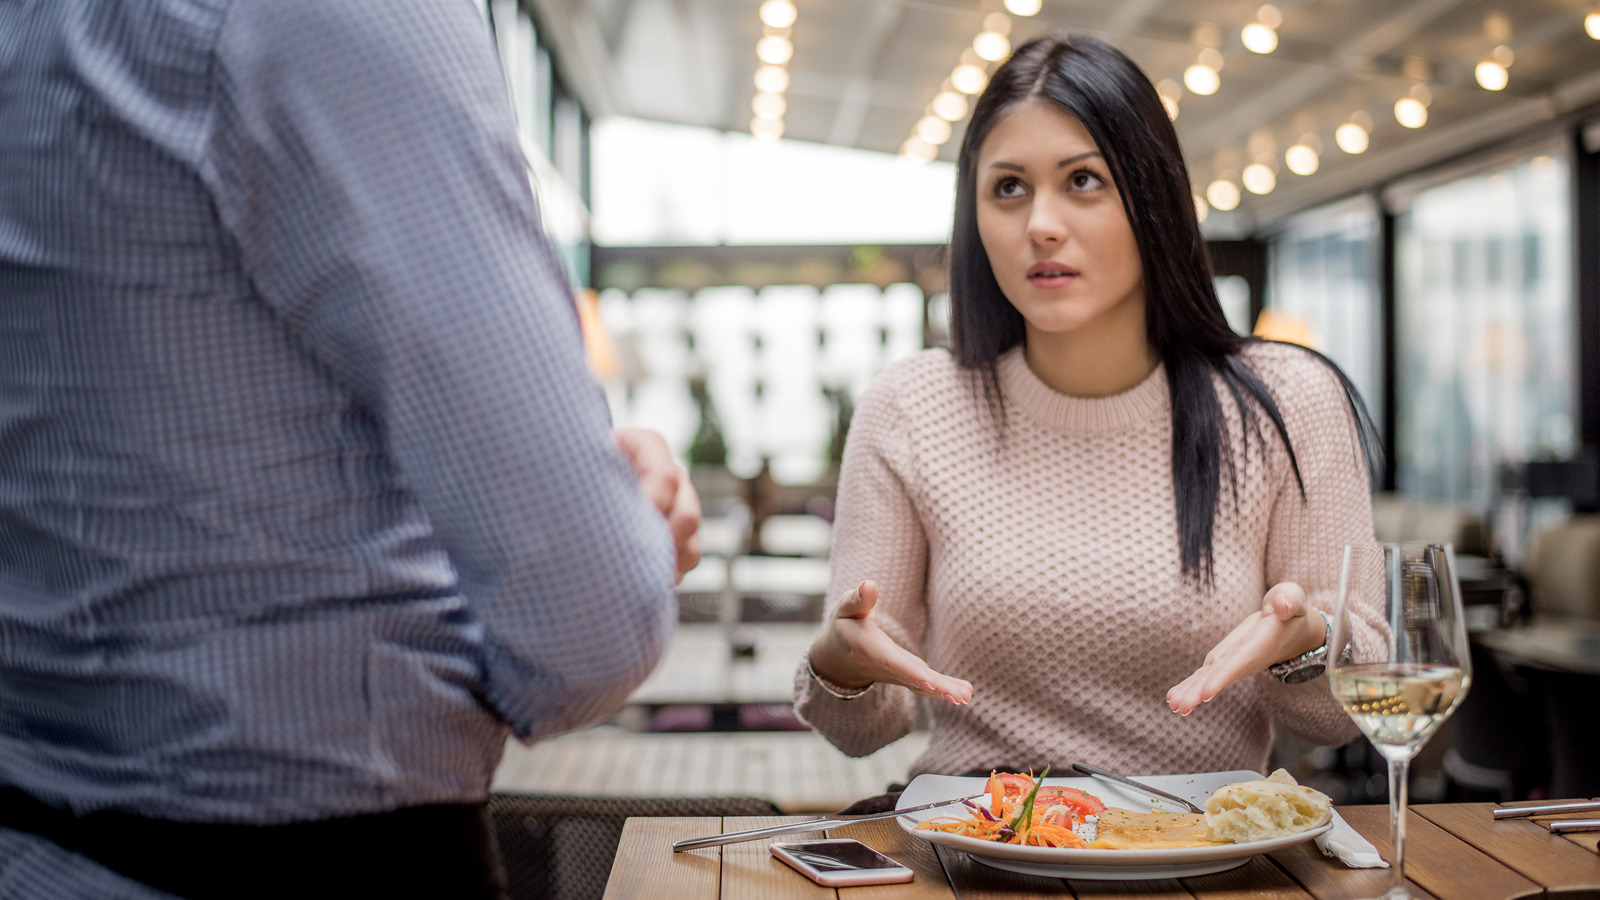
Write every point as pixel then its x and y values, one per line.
pixel 753 198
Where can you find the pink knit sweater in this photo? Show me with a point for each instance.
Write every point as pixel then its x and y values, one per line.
pixel 1042 565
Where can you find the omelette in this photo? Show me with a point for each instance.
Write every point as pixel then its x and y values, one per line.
pixel 1124 829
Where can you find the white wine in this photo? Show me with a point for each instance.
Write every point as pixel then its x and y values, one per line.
pixel 1398 705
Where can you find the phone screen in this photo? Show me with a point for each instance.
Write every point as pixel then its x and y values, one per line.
pixel 840 856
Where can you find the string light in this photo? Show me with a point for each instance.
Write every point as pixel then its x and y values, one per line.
pixel 1222 194
pixel 933 129
pixel 968 79
pixel 769 106
pixel 1410 112
pixel 991 46
pixel 774 50
pixel 950 106
pixel 1259 178
pixel 1024 7
pixel 1301 159
pixel 772 79
pixel 778 13
pixel 1201 79
pixel 1258 38
pixel 918 149
pixel 1351 138
pixel 1201 208
pixel 1491 75
pixel 1591 25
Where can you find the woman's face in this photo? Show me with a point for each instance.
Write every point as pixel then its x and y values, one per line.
pixel 1052 223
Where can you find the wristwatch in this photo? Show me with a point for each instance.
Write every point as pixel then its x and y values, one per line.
pixel 1309 664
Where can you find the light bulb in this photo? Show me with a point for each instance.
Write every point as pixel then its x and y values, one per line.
pixel 1351 138
pixel 774 50
pixel 778 13
pixel 1410 112
pixel 918 149
pixel 1201 208
pixel 769 106
pixel 1024 7
pixel 1222 194
pixel 991 46
pixel 1591 25
pixel 766 129
pixel 1258 38
pixel 772 79
pixel 1270 16
pixel 933 129
pixel 999 23
pixel 1259 179
pixel 1491 75
pixel 1301 160
pixel 968 79
pixel 1202 80
pixel 1171 107
pixel 1503 55
pixel 950 105
pixel 1211 58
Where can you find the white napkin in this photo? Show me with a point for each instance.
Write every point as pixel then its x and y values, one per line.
pixel 1343 843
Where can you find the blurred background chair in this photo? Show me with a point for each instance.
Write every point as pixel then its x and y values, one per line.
pixel 557 847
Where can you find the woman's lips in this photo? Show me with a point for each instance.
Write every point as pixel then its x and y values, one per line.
pixel 1051 275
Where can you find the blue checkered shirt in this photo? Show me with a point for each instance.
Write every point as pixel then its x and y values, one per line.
pixel 306 497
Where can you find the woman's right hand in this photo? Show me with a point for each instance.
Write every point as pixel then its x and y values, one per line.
pixel 853 652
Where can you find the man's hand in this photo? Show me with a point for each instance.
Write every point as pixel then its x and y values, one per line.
pixel 1282 630
pixel 668 487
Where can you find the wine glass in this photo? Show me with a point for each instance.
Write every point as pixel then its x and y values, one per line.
pixel 1408 666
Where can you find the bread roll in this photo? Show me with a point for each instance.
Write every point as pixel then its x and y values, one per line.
pixel 1257 810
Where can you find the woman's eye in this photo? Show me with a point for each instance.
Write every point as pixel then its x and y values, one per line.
pixel 1083 180
pixel 1008 187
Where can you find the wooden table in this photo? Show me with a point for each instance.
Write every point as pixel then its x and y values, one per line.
pixel 1453 852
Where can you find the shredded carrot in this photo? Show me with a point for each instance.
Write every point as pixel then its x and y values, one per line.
pixel 1005 805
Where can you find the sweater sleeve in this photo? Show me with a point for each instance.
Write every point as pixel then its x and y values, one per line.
pixel 877 536
pixel 1307 536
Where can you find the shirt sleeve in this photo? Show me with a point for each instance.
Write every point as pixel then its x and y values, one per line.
pixel 364 159
pixel 877 535
pixel 1307 537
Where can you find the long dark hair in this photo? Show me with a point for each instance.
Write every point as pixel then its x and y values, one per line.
pixel 1103 89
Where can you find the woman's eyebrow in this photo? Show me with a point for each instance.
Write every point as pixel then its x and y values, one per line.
pixel 998 164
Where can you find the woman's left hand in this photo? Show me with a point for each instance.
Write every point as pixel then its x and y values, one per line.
pixel 1282 630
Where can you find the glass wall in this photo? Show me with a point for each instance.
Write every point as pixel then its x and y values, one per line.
pixel 1323 277
pixel 1486 325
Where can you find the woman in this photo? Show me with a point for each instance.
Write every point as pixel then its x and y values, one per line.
pixel 1066 526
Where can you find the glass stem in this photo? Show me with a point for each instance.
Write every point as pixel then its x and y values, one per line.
pixel 1398 783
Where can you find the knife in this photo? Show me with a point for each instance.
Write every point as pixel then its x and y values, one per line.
pixel 809 825
pixel 1103 775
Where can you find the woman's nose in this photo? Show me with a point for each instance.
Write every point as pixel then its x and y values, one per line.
pixel 1046 224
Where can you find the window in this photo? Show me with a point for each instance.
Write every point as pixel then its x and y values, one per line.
pixel 1486 328
pixel 1324 278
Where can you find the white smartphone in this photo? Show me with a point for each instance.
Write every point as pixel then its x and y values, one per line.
pixel 841 862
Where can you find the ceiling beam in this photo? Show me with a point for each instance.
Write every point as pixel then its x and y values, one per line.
pixel 860 85
pixel 580 51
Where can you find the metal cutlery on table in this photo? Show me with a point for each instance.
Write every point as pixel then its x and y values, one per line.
pixel 1553 808
pixel 716 840
pixel 1114 778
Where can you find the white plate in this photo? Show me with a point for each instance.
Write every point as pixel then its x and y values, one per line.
pixel 1109 865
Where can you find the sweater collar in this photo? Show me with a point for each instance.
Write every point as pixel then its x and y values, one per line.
pixel 1062 412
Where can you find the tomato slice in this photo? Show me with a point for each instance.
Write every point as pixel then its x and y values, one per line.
pixel 1081 803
